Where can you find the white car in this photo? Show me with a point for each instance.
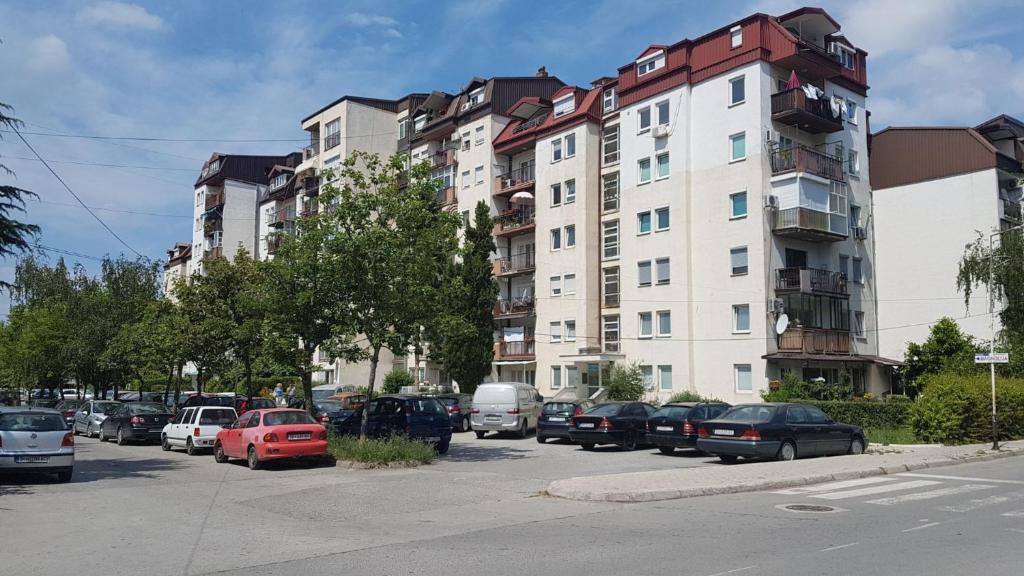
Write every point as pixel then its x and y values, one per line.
pixel 196 428
pixel 36 440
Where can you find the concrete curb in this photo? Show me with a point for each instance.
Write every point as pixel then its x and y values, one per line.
pixel 564 489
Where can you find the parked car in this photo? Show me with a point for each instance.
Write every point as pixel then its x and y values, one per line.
pixel 135 422
pixel 323 391
pixel 675 425
pixel 90 416
pixel 419 417
pixel 505 407
pixel 36 440
pixel 243 404
pixel 555 416
pixel 196 428
pixel 69 408
pixel 778 431
pixel 349 400
pixel 333 414
pixel 44 403
pixel 135 396
pixel 620 423
pixel 183 397
pixel 225 400
pixel 274 434
pixel 459 408
pixel 69 393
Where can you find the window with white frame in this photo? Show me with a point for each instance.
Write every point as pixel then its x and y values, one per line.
pixel 744 377
pixel 737 147
pixel 650 63
pixel 278 181
pixel 610 191
pixel 332 134
pixel 476 96
pixel 741 319
pixel 570 191
pixel 738 205
pixel 556 285
pixel 663 113
pixel 663 271
pixel 571 376
pixel 647 373
pixel 664 323
pixel 858 324
pixel 846 57
pixel 610 238
pixel 465 140
pixel 645 325
pixel 420 122
pixel 643 273
pixel 852 162
pixel 465 179
pixel 609 100
pixel 564 105
pixel 570 236
pixel 478 174
pixel 556 150
pixel 661 219
pixel 478 136
pixel 569 284
pixel 663 169
pixel 858 270
pixel 610 142
pixel 643 116
pixel 643 170
pixel 611 286
pixel 556 331
pixel 403 128
pixel 665 377
pixel 610 329
pixel 851 111
pixel 570 145
pixel 737 90
pixel 738 260
pixel 556 238
pixel 556 194
pixel 570 330
pixel 556 377
pixel 735 37
pixel 643 222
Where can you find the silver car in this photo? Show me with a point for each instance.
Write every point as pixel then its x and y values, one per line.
pixel 90 415
pixel 36 440
pixel 505 407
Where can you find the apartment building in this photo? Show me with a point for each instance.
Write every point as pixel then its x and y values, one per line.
pixel 278 206
pixel 970 179
pixel 176 267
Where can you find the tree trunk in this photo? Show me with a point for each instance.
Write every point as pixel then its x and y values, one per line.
pixel 199 380
pixel 170 382
pixel 248 377
pixel 369 392
pixel 177 387
pixel 307 379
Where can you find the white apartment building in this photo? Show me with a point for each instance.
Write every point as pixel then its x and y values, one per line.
pixel 970 179
pixel 176 267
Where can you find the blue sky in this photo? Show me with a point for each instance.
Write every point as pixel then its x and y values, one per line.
pixel 252 70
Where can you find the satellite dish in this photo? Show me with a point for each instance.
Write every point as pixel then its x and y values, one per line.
pixel 781 324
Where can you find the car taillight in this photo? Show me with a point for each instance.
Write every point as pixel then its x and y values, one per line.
pixel 196 432
pixel 687 427
pixel 138 420
pixel 69 413
pixel 703 432
pixel 323 434
pixel 578 411
pixel 605 424
pixel 270 437
pixel 325 419
pixel 69 440
pixel 455 409
pixel 751 435
pixel 474 411
pixel 513 410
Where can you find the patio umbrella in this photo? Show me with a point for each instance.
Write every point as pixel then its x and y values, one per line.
pixel 794 82
pixel 522 198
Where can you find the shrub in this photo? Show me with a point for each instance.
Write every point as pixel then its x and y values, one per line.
pixel 792 389
pixel 381 451
pixel 625 382
pixel 394 380
pixel 865 413
pixel 955 409
pixel 689 396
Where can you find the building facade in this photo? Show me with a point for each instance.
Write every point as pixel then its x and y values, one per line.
pixel 179 259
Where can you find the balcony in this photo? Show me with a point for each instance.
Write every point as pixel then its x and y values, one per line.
pixel 311 186
pixel 443 157
pixel 515 222
pixel 212 226
pixel 215 252
pixel 801 159
pixel 274 242
pixel 448 197
pixel 311 151
pixel 811 225
pixel 516 264
pixel 794 108
pixel 514 308
pixel 810 281
pixel 214 200
pixel 519 179
pixel 815 341
pixel 1010 211
pixel 611 300
pixel 811 61
pixel 281 216
pixel 310 207
pixel 515 350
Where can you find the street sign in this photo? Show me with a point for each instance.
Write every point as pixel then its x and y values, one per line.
pixel 993 358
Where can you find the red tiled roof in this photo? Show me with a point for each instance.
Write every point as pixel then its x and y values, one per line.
pixel 588 108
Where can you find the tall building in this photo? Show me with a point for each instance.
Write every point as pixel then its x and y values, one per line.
pixel 969 180
pixel 176 267
pixel 278 206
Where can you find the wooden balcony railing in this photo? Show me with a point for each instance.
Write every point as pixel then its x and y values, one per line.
pixel 215 252
pixel 515 264
pixel 311 186
pixel 514 307
pixel 525 348
pixel 800 158
pixel 815 341
pixel 794 108
pixel 519 178
pixel 447 196
pixel 514 220
pixel 274 242
pixel 443 157
pixel 811 280
pixel 214 200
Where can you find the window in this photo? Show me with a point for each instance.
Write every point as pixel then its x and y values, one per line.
pixel 738 205
pixel 741 319
pixel 570 236
pixel 665 377
pixel 478 136
pixel 199 224
pixel 854 216
pixel 570 330
pixel 570 145
pixel 556 194
pixel 465 179
pixel 661 219
pixel 610 185
pixel 570 191
pixel 663 113
pixel 465 218
pixel 852 162
pixel 648 376
pixel 278 181
pixel 610 100
pixel 565 105
pixel 556 150
pixel 644 170
pixel 664 323
pixel 650 64
pixel 465 140
pixel 744 377
pixel 643 273
pixel 858 270
pixel 571 376
pixel 846 57
pixel 663 270
pixel 610 141
pixel 645 328
pixel 844 265
pixel 403 128
pixel 556 331
pixel 851 112
pixel 643 120
pixel 611 286
pixel 737 90
pixel 611 238
pixel 556 239
pixel 332 134
pixel 736 37
pixel 611 332
pixel 738 260
pixel 858 324
pixel 737 147
pixel 556 377
pixel 643 222
pixel 478 174
pixel 556 285
pixel 662 166
pixel 569 282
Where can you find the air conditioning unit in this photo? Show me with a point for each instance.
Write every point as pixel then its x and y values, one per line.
pixel 860 233
pixel 659 131
pixel 771 201
pixel 776 306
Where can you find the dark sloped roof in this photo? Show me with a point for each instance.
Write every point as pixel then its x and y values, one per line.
pixel 241 168
pixel 379 103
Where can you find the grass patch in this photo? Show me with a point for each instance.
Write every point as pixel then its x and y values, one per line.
pixel 396 450
pixel 885 436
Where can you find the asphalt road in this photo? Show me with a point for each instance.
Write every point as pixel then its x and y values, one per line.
pixel 136 509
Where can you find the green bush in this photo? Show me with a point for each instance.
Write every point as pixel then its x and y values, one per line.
pixel 626 382
pixel 394 380
pixel 955 409
pixel 793 389
pixel 689 396
pixel 381 452
pixel 865 413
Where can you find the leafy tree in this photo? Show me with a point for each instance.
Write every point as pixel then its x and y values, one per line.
pixel 1007 277
pixel 947 349
pixel 396 379
pixel 208 331
pixel 14 235
pixel 166 331
pixel 625 382
pixel 35 344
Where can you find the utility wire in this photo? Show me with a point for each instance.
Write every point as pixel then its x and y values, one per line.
pixel 68 252
pixel 155 139
pixel 103 165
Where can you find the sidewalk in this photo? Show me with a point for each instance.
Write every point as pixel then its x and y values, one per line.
pixel 754 476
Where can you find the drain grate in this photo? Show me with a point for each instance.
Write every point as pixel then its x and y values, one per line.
pixel 809 508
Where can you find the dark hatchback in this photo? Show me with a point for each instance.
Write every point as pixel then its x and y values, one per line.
pixel 419 417
pixel 620 423
pixel 68 408
pixel 135 422
pixel 675 425
pixel 554 418
pixel 778 431
pixel 333 414
pixel 459 408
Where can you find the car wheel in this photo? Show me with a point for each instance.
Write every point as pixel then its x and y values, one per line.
pixel 787 451
pixel 480 433
pixel 64 477
pixel 666 449
pixel 74 429
pixel 629 443
pixel 856 446
pixel 164 444
pixel 218 454
pixel 88 431
pixel 728 459
pixel 587 446
pixel 190 448
pixel 254 459
pixel 441 447
pixel 121 440
pixel 101 436
pixel 524 429
pixel 540 438
pixel 465 425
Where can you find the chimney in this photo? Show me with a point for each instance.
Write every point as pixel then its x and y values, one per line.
pixel 542 72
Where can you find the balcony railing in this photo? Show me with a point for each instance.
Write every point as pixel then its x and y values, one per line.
pixel 518 179
pixel 311 151
pixel 332 140
pixel 443 157
pixel 514 307
pixel 280 216
pixel 611 300
pixel 811 280
pixel 611 199
pixel 447 196
pixel 517 220
pixel 214 200
pixel 274 242
pixel 212 226
pixel 310 207
pixel 810 224
pixel 515 264
pixel 311 186
pixel 794 108
pixel 800 158
pixel 815 341
pixel 215 252
pixel 525 348
pixel 1011 210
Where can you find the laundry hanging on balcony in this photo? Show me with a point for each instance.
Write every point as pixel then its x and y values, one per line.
pixel 794 82
pixel 838 106
pixel 812 91
pixel 513 334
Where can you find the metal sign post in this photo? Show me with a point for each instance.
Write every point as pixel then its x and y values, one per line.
pixel 993 358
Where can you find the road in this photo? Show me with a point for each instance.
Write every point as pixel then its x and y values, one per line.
pixel 137 509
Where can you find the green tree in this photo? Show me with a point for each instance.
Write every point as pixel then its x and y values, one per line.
pixel 1007 277
pixel 14 234
pixel 395 380
pixel 625 382
pixel 209 330
pixel 947 349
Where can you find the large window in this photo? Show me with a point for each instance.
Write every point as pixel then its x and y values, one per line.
pixel 610 238
pixel 744 377
pixel 741 319
pixel 737 90
pixel 564 105
pixel 663 270
pixel 609 100
pixel 332 134
pixel 643 116
pixel 643 222
pixel 813 311
pixel 738 205
pixel 611 332
pixel 643 273
pixel 610 141
pixel 643 170
pixel 738 260
pixel 737 147
pixel 645 327
pixel 610 185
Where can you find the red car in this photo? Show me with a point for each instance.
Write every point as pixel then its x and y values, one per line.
pixel 273 434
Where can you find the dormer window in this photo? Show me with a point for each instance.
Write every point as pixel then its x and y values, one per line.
pixel 476 96
pixel 610 100
pixel 736 36
pixel 650 63
pixel 278 181
pixel 420 122
pixel 565 105
pixel 845 56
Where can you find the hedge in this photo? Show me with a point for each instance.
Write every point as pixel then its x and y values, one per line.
pixel 958 409
pixel 890 413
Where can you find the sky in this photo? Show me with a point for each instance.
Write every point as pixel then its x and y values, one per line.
pixel 210 72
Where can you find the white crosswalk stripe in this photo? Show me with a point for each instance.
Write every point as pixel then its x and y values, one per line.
pixel 878 489
pixel 939 493
pixel 983 502
pixel 840 485
pixel 1014 514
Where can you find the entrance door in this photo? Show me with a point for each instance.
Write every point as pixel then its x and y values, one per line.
pixel 593 379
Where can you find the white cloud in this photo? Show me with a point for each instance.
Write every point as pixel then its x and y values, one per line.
pixel 121 15
pixel 885 27
pixel 48 53
pixel 363 20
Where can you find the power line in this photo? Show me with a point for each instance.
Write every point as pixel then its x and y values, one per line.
pixel 156 139
pixel 103 165
pixel 72 192
pixel 68 252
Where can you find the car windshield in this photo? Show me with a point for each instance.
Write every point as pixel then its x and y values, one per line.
pixel 750 414
pixel 258 403
pixel 427 406
pixel 328 406
pixel 217 416
pixel 288 417
pixel 672 412
pixel 448 401
pixel 605 410
pixel 495 395
pixel 29 422
pixel 104 407
pixel 71 404
pixel 556 407
pixel 321 394
pixel 148 408
pixel 220 401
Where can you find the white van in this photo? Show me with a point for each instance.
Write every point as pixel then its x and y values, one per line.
pixel 505 407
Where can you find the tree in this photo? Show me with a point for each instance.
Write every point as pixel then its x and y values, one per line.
pixel 947 349
pixel 626 382
pixel 395 380
pixel 463 334
pixel 208 329
pixel 14 235
pixel 1006 284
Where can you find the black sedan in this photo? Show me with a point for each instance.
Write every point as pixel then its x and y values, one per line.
pixel 778 431
pixel 333 414
pixel 554 418
pixel 675 425
pixel 459 407
pixel 135 421
pixel 620 423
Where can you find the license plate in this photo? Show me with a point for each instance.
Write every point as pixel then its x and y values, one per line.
pixel 663 428
pixel 154 430
pixel 32 459
pixel 556 419
pixel 585 425
pixel 719 432
pixel 495 418
pixel 300 436
pixel 433 439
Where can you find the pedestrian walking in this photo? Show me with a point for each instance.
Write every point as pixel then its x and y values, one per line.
pixel 279 394
pixel 291 394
